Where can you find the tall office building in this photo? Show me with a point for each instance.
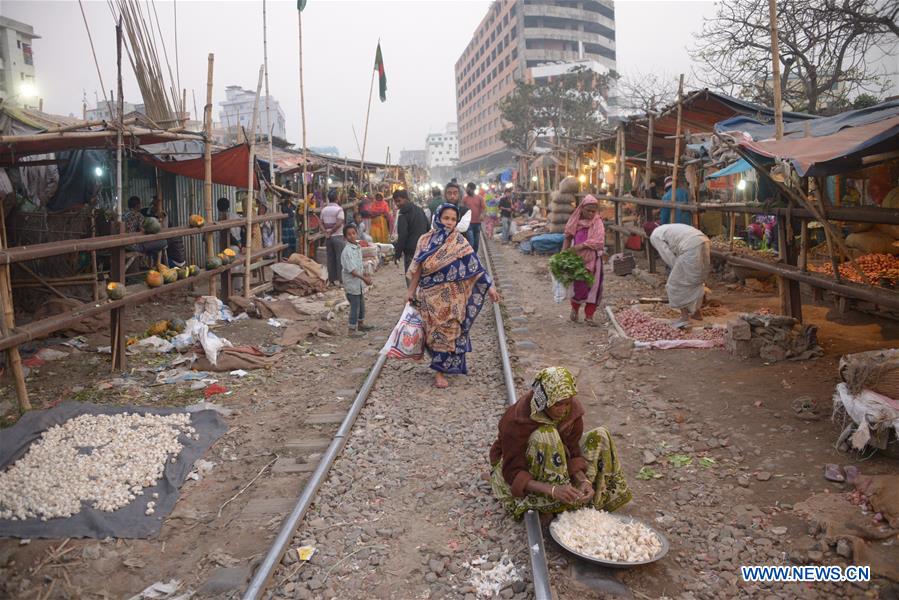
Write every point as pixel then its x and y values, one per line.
pixel 523 40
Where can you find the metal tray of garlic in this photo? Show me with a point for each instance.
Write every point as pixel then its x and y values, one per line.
pixel 607 539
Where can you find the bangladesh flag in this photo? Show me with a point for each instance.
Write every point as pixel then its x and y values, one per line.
pixel 382 77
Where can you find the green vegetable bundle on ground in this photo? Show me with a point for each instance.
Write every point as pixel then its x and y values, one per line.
pixel 567 267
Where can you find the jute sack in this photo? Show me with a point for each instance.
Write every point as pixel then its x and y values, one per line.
pixel 569 185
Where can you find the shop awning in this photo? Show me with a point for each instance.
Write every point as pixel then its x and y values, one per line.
pixel 229 166
pixel 826 145
pixel 741 166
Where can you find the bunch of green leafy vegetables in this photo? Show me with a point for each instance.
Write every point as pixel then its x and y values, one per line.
pixel 567 267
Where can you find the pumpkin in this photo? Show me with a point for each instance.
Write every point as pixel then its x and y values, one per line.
pixel 151 225
pixel 177 325
pixel 183 272
pixel 224 258
pixel 229 253
pixel 115 291
pixel 193 270
pixel 158 328
pixel 196 221
pixel 213 262
pixel 170 276
pixel 154 279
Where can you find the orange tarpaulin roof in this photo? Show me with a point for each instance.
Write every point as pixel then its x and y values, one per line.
pixel 229 167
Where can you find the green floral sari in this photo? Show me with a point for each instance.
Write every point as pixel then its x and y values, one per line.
pixel 547 463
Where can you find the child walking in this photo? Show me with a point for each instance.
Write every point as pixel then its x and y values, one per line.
pixel 353 278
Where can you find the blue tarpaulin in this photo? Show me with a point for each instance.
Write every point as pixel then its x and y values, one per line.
pixel 741 166
pixel 822 146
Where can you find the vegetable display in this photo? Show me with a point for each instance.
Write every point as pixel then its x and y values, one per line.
pixel 567 267
pixel 125 454
pixel 880 268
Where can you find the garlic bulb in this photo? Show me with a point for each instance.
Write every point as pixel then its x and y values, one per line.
pixel 104 461
pixel 597 533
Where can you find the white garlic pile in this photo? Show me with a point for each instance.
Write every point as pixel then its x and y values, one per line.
pixel 598 534
pixel 105 460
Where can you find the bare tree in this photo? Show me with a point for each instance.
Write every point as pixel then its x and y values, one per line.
pixel 823 50
pixel 646 92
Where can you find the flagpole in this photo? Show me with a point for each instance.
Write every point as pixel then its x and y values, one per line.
pixel 268 114
pixel 303 124
pixel 371 88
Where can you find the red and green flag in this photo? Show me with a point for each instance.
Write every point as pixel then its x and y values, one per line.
pixel 382 77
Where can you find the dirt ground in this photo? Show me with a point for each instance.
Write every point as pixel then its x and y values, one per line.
pixel 748 505
pixel 706 403
pixel 281 415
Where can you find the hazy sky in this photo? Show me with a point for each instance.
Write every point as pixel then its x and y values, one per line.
pixel 420 41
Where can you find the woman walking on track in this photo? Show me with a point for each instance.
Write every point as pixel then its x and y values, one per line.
pixel 450 285
pixel 586 235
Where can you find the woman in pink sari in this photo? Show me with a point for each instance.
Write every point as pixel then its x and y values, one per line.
pixel 586 234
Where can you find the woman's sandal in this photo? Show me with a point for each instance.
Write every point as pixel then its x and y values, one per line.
pixel 573 316
pixel 590 322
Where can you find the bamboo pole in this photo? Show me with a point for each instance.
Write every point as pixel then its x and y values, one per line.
pixel 647 173
pixel 677 148
pixel 268 124
pixel 248 206
pixel 775 64
pixel 207 168
pixel 303 125
pixel 8 322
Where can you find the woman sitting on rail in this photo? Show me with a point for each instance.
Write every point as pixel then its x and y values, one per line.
pixel 543 460
pixel 451 285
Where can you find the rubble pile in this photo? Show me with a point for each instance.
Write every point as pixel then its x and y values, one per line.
pixel 772 338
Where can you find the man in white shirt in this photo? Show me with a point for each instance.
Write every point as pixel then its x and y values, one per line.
pixel 332 220
pixel 687 251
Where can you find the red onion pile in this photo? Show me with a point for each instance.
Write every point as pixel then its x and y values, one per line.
pixel 644 328
pixel 640 326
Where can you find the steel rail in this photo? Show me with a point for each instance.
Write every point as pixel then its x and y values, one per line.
pixel 273 558
pixel 539 568
pixel 262 576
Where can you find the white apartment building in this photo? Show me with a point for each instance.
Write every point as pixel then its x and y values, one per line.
pixel 17 85
pixel 236 114
pixel 442 149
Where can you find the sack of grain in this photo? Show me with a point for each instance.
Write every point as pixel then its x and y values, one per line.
pixel 569 185
pixel 877 370
pixel 872 242
pixel 557 228
pixel 561 210
pixel 890 230
pixel 558 219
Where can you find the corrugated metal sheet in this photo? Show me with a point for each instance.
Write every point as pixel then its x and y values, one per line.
pixel 182 197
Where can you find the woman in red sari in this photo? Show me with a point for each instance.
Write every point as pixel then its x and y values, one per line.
pixel 586 235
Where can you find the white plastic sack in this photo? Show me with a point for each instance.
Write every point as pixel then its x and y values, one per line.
pixel 464 222
pixel 559 291
pixel 155 345
pixel 407 340
pixel 209 309
pixel 211 343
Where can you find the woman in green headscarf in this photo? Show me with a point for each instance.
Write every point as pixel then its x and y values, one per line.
pixel 543 460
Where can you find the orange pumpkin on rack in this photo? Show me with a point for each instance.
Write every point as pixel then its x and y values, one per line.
pixel 154 279
pixel 196 221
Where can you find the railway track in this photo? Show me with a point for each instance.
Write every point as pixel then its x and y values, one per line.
pixel 269 579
